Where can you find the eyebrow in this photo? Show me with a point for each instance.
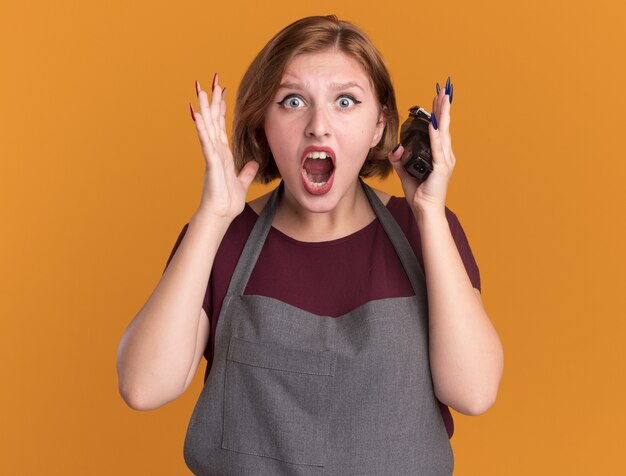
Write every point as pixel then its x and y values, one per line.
pixel 338 86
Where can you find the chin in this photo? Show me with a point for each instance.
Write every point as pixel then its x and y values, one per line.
pixel 322 202
pixel 318 203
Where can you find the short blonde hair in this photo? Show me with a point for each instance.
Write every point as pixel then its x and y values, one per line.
pixel 262 79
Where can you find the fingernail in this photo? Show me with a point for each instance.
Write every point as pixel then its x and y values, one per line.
pixel 197 88
pixel 223 93
pixel 214 82
pixel 395 148
pixel 438 88
pixel 192 115
pixel 448 86
pixel 433 119
pixel 451 91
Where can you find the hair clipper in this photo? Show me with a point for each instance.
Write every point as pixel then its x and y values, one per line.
pixel 416 142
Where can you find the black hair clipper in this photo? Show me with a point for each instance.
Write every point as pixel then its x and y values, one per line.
pixel 416 142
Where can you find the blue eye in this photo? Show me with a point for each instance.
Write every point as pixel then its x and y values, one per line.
pixel 292 102
pixel 345 101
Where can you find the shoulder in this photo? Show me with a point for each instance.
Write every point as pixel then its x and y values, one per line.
pixel 402 213
pixel 242 224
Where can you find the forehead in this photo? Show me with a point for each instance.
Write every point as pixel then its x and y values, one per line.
pixel 330 65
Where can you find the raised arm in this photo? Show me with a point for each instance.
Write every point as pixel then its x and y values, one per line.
pixel 160 350
pixel 466 356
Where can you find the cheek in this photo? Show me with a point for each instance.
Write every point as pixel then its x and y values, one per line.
pixel 369 133
pixel 281 131
pixel 273 135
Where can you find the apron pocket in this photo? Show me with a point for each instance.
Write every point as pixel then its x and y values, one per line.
pixel 277 401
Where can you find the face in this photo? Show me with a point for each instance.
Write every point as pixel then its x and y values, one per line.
pixel 324 119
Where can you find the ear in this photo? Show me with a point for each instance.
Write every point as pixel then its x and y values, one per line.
pixel 380 127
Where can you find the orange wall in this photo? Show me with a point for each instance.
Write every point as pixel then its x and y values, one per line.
pixel 100 169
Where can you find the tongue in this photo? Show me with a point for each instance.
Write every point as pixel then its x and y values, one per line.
pixel 318 170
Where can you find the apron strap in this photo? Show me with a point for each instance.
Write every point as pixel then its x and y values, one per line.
pixel 398 240
pixel 256 240
pixel 254 245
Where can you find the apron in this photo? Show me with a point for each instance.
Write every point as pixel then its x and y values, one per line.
pixel 294 393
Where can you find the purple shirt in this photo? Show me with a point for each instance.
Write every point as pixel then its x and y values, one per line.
pixel 328 278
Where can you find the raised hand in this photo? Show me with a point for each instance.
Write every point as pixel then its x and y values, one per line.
pixel 223 192
pixel 431 193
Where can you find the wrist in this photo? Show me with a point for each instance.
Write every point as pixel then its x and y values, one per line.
pixel 429 214
pixel 206 218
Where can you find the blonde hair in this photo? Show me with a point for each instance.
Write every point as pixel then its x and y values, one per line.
pixel 262 79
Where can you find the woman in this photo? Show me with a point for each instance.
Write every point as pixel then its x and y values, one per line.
pixel 338 322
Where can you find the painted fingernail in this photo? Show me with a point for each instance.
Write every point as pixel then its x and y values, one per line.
pixel 192 114
pixel 438 88
pixel 395 148
pixel 197 88
pixel 433 119
pixel 448 86
pixel 451 91
pixel 214 82
pixel 223 93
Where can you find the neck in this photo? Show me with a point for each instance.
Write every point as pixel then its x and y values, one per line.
pixel 351 213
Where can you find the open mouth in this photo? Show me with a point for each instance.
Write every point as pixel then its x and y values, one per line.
pixel 318 166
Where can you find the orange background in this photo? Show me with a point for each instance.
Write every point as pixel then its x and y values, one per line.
pixel 101 168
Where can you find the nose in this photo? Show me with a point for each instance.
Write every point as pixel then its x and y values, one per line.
pixel 318 122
